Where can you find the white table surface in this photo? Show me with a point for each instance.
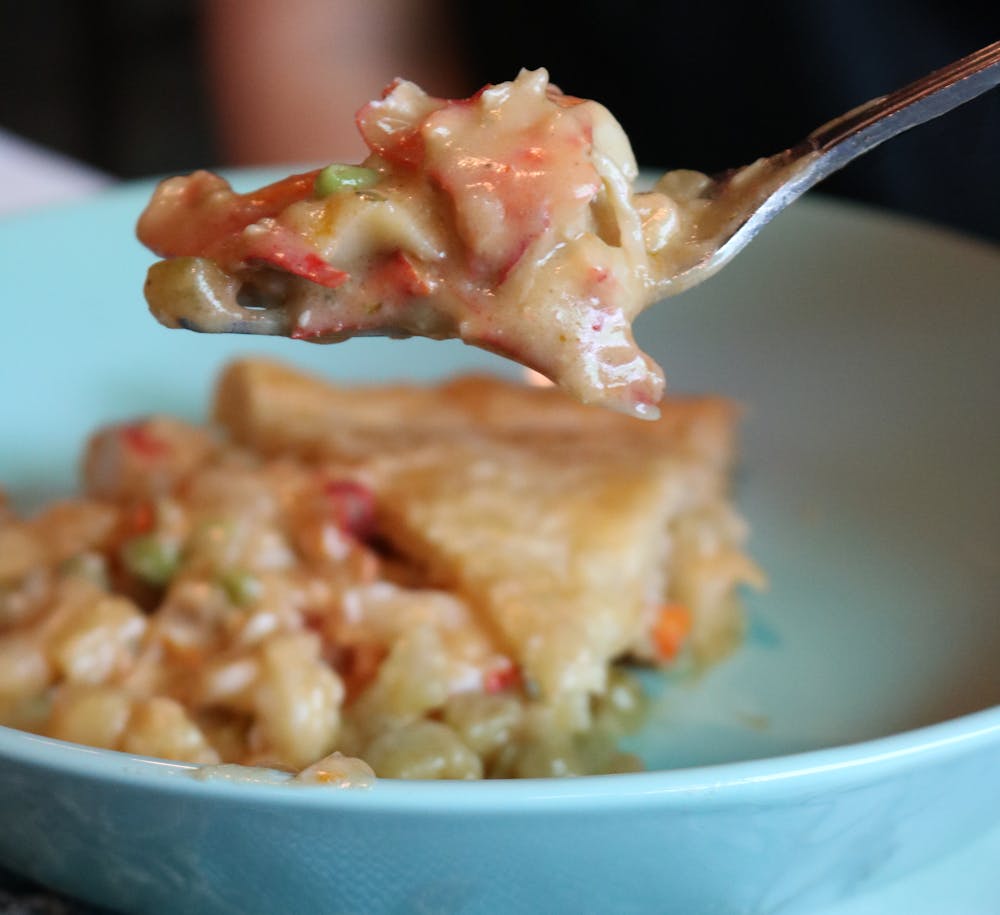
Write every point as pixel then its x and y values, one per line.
pixel 965 883
pixel 32 176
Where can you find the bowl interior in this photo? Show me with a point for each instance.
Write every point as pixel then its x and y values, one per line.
pixel 864 349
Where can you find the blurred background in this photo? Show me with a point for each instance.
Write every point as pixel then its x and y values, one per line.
pixel 147 87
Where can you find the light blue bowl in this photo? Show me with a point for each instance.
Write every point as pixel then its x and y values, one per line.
pixel 855 737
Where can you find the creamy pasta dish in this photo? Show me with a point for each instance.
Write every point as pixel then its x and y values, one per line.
pixel 444 582
pixel 408 582
pixel 509 220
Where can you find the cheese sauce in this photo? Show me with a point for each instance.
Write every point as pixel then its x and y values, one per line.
pixel 508 220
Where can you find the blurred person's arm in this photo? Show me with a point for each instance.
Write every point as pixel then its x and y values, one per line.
pixel 287 77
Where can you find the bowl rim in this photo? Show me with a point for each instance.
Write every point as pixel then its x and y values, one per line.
pixel 785 776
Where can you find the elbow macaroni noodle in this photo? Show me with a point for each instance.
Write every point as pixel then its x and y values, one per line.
pixel 303 580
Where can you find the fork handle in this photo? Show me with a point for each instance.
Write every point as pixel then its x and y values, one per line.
pixel 850 135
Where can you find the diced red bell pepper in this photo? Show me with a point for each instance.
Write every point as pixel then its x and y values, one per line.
pixel 140 441
pixel 352 505
pixel 398 275
pixel 501 679
pixel 200 215
pixel 282 247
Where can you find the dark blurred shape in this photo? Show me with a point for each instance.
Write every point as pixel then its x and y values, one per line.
pixel 116 83
pixel 712 85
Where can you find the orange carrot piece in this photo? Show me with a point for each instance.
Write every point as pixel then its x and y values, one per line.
pixel 671 630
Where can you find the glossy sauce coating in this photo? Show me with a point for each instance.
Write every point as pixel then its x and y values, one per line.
pixel 507 220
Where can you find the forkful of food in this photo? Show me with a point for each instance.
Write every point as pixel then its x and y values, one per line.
pixel 509 220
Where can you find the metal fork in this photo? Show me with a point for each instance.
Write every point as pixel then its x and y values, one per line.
pixel 742 201
pixel 732 208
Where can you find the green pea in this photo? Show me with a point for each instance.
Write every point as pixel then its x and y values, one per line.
pixel 151 558
pixel 338 177
pixel 241 587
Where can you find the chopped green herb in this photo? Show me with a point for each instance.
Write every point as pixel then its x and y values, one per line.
pixel 338 177
pixel 241 587
pixel 151 558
